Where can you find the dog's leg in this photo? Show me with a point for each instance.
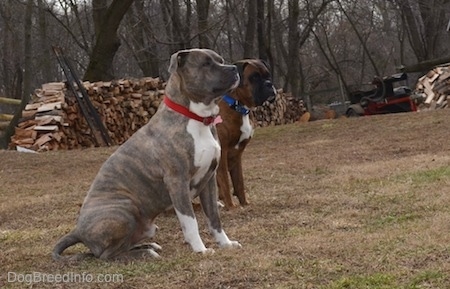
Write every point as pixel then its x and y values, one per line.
pixel 223 182
pixel 191 234
pixel 208 199
pixel 182 204
pixel 237 179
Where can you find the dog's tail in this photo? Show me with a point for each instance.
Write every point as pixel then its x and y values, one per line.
pixel 64 243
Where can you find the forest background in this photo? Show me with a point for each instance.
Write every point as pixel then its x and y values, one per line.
pixel 320 48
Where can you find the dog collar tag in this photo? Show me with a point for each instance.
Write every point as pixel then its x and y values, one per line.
pixel 218 119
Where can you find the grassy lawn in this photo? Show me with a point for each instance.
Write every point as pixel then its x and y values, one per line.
pixel 345 203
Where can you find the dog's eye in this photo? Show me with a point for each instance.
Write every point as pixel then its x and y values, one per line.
pixel 254 77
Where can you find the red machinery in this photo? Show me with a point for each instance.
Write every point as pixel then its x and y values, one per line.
pixel 382 99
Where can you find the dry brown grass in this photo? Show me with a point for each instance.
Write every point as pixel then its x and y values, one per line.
pixel 347 203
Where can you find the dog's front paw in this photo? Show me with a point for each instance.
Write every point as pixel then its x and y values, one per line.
pixel 231 244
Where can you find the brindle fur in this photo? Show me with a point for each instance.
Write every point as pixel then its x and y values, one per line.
pixel 154 169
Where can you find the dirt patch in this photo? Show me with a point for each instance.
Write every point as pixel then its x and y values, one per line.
pixel 345 203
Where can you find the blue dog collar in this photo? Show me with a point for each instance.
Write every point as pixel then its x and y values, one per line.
pixel 234 104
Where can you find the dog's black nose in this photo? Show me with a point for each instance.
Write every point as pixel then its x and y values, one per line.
pixel 268 83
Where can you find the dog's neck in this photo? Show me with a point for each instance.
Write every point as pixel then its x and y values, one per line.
pixel 204 110
pixel 206 114
pixel 236 105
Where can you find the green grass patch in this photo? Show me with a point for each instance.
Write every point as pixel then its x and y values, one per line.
pixel 427 279
pixel 421 178
pixel 376 281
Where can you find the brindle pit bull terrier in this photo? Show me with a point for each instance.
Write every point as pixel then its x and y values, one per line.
pixel 165 164
pixel 236 129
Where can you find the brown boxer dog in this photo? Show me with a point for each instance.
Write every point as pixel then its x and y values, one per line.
pixel 166 163
pixel 236 129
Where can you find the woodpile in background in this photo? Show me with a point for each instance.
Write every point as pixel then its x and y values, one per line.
pixel 434 88
pixel 53 120
pixel 285 109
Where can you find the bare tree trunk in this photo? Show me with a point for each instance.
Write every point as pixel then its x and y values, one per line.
pixel 28 50
pixel 45 63
pixel 270 58
pixel 280 49
pixel 10 45
pixel 261 29
pixel 5 139
pixel 296 41
pixel 202 23
pixel 250 30
pixel 293 61
pixel 99 9
pixel 107 43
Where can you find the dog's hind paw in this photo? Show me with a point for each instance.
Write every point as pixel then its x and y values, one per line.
pixel 155 246
pixel 153 253
pixel 148 245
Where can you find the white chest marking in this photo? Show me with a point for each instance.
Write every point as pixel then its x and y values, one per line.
pixel 206 147
pixel 246 130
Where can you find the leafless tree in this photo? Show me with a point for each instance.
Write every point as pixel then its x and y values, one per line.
pixel 311 45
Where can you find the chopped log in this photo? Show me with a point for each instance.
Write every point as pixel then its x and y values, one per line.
pixel 46 128
pixel 6 100
pixel 53 120
pixel 434 88
pixel 7 117
pixel 49 106
pixel 43 139
pixel 425 65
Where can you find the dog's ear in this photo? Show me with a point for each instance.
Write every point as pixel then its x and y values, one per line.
pixel 178 59
pixel 240 67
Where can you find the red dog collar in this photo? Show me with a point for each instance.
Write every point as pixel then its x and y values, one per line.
pixel 186 112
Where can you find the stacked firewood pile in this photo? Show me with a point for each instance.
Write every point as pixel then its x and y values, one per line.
pixel 434 88
pixel 53 119
pixel 285 109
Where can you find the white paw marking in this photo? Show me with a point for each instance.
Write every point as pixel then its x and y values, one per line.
pixel 189 227
pixel 155 246
pixel 153 254
pixel 223 241
pixel 232 244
